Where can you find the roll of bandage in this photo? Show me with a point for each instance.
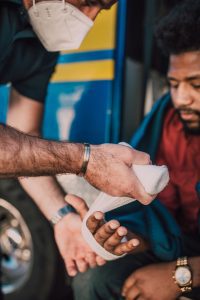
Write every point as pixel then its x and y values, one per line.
pixel 153 178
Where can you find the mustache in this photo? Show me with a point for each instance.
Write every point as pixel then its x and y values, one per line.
pixel 180 110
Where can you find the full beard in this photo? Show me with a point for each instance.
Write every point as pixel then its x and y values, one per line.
pixel 187 125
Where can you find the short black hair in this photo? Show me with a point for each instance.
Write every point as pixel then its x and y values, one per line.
pixel 179 31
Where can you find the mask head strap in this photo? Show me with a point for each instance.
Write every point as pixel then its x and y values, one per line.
pixel 36 12
pixel 35 8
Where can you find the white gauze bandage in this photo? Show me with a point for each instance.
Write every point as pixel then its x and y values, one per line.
pixel 153 178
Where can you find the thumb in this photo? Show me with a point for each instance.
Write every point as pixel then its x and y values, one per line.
pixel 78 204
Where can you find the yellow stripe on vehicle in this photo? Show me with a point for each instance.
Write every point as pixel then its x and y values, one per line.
pixel 85 71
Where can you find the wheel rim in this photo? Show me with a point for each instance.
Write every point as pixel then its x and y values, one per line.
pixel 16 247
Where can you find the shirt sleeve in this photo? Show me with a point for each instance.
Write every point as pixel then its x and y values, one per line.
pixel 35 85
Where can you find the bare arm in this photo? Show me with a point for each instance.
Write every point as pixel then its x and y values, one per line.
pixel 109 167
pixel 25 155
pixel 26 115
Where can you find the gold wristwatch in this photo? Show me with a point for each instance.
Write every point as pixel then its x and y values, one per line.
pixel 183 275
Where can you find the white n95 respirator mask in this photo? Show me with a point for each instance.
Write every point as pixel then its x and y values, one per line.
pixel 59 25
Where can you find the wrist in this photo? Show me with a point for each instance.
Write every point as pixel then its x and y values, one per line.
pixel 65 224
pixel 96 155
pixel 63 212
pixel 183 274
pixel 86 157
pixel 74 157
pixel 195 266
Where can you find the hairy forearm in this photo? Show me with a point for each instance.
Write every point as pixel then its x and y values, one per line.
pixel 26 155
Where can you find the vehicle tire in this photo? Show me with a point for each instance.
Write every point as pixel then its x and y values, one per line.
pixel 32 268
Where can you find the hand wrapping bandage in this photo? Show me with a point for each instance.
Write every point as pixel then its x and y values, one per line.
pixel 153 178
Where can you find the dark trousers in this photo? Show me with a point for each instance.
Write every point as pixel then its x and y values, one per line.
pixel 105 283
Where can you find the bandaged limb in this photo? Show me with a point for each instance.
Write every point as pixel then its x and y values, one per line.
pixel 153 178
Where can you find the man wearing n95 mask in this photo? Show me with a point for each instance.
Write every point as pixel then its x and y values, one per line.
pixel 59 25
pixel 28 65
pixel 62 25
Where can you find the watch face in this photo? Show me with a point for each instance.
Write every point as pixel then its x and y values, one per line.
pixel 182 275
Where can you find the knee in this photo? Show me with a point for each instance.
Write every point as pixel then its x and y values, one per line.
pixel 98 280
pixel 86 283
pixel 93 284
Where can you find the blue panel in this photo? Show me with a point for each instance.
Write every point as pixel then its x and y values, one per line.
pixel 4 96
pixel 86 56
pixel 78 111
pixel 119 71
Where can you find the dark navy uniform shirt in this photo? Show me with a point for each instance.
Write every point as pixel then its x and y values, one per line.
pixel 24 62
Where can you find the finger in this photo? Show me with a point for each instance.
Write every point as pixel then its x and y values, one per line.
pixel 132 293
pixel 100 261
pixel 81 264
pixel 138 192
pixel 95 221
pixel 141 298
pixel 91 259
pixel 78 203
pixel 128 283
pixel 126 247
pixel 115 239
pixel 71 267
pixel 106 231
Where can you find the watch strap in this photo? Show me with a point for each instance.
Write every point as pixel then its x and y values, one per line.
pixel 65 210
pixel 183 262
